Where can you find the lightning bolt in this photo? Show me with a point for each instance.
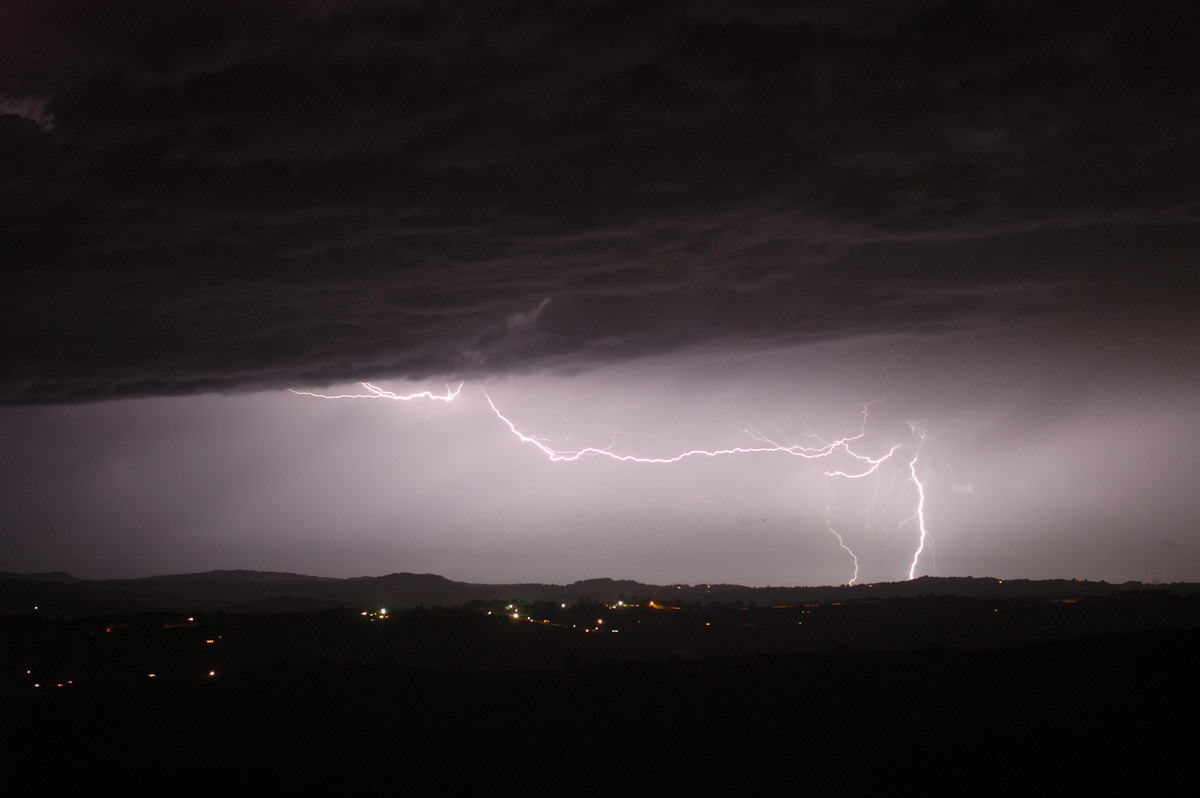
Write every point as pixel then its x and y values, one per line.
pixel 768 446
pixel 375 392
pixel 919 515
pixel 764 445
pixel 849 551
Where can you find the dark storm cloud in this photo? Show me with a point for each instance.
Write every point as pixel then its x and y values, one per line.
pixel 217 196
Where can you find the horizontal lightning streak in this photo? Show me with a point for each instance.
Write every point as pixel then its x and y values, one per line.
pixel 825 450
pixel 375 392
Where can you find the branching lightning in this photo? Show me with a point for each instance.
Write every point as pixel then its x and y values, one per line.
pixel 768 446
pixel 867 465
pixel 375 392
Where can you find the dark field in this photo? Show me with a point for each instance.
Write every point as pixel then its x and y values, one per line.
pixel 941 694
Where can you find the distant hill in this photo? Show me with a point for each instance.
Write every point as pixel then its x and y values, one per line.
pixel 58 594
pixel 52 576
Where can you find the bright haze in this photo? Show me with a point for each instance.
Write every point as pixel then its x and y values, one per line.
pixel 649 227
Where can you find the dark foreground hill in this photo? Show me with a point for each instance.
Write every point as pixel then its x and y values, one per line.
pixel 1082 688
pixel 61 595
pixel 1093 714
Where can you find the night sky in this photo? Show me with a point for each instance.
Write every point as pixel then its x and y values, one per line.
pixel 647 226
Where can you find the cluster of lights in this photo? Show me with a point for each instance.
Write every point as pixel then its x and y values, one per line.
pixel 378 615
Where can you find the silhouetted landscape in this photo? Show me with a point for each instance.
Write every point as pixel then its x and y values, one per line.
pixel 60 595
pixel 267 682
